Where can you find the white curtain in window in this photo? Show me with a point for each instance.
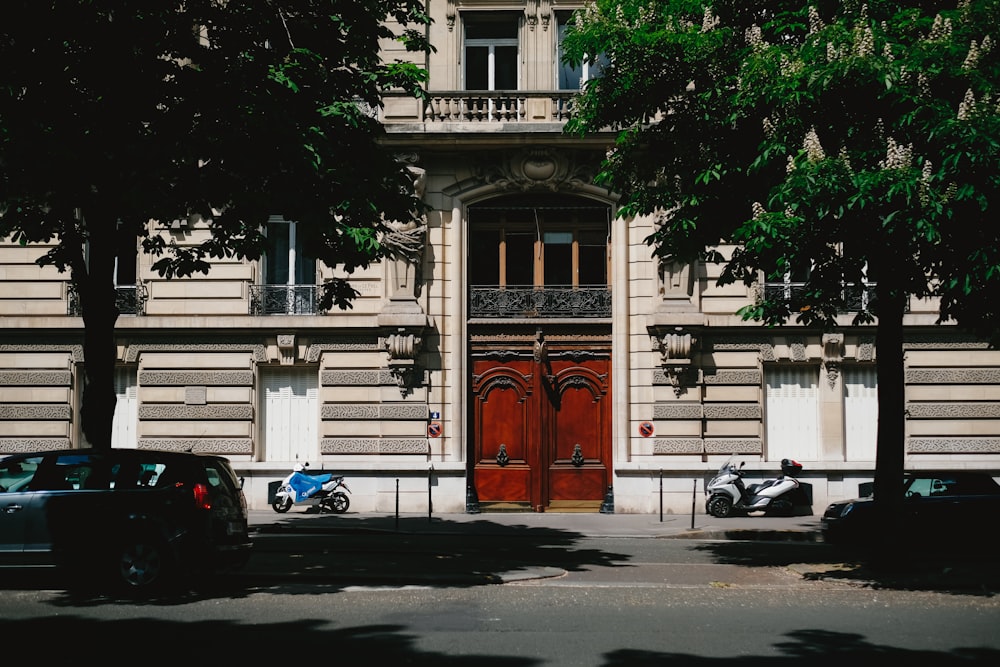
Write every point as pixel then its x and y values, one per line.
pixel 792 412
pixel 126 420
pixel 860 412
pixel 290 414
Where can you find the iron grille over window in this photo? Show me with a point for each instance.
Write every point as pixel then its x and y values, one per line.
pixel 540 302
pixel 284 300
pixel 129 299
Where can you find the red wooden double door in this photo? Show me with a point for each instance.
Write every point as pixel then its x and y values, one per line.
pixel 542 427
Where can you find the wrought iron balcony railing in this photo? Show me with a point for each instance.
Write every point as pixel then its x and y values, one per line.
pixel 130 300
pixel 532 302
pixel 284 300
pixel 856 297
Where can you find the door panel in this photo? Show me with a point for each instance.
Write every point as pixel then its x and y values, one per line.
pixel 504 415
pixel 580 418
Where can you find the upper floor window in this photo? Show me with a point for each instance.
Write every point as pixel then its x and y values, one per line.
pixel 491 50
pixel 574 78
pixel 284 261
pixel 288 285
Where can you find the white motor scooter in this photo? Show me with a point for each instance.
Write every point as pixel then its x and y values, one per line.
pixel 323 490
pixel 728 495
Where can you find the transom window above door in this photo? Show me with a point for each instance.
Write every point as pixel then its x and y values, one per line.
pixel 539 256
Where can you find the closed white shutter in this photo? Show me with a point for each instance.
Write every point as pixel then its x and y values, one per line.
pixel 860 412
pixel 290 413
pixel 126 420
pixel 792 412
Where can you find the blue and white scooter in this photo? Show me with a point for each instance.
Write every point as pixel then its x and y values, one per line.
pixel 323 490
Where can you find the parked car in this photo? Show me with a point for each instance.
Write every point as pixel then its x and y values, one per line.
pixel 138 519
pixel 940 508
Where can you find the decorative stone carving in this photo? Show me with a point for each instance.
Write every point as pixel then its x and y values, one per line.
pixel 403 348
pixel 953 445
pixel 405 241
pixel 39 411
pixel 374 446
pixel 833 356
pixel 676 287
pixel 866 349
pixel 733 446
pixel 176 411
pixel 676 349
pixel 28 445
pixel 350 378
pixel 797 350
pixel 733 411
pixel 208 378
pixel 38 378
pixel 678 411
pixel 208 445
pixel 537 169
pixel 678 446
pixel 286 349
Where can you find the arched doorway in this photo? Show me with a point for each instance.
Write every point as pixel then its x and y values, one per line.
pixel 540 352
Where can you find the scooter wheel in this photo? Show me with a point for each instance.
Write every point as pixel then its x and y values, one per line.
pixel 719 506
pixel 339 502
pixel 282 505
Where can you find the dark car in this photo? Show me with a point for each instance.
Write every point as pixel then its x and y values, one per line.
pixel 940 508
pixel 139 519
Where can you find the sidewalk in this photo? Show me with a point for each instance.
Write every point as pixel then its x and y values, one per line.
pixel 586 524
pixel 517 557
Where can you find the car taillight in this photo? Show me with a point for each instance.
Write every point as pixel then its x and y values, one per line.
pixel 201 498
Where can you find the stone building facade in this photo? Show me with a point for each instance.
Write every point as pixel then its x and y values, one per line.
pixel 521 351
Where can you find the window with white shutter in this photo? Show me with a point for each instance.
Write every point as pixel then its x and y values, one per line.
pixel 792 412
pixel 126 419
pixel 860 412
pixel 290 413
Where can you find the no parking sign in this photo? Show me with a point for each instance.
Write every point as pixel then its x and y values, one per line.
pixel 646 429
pixel 434 429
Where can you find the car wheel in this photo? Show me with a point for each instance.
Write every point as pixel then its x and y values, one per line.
pixel 142 564
pixel 720 506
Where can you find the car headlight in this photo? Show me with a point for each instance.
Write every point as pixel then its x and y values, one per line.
pixel 847 510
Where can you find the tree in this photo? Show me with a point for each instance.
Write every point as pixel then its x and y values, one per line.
pixel 113 116
pixel 858 143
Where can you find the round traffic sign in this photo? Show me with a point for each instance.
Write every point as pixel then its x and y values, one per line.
pixel 434 429
pixel 646 429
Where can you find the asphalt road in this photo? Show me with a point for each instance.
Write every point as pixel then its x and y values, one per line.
pixel 609 601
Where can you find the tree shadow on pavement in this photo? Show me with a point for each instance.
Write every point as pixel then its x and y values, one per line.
pixel 821 648
pixel 317 557
pixel 959 570
pixel 157 641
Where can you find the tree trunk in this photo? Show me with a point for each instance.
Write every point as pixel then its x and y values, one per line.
pixel 890 451
pixel 98 303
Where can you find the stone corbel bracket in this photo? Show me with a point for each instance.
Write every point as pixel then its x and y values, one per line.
pixel 403 347
pixel 676 350
pixel 286 349
pixel 833 356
